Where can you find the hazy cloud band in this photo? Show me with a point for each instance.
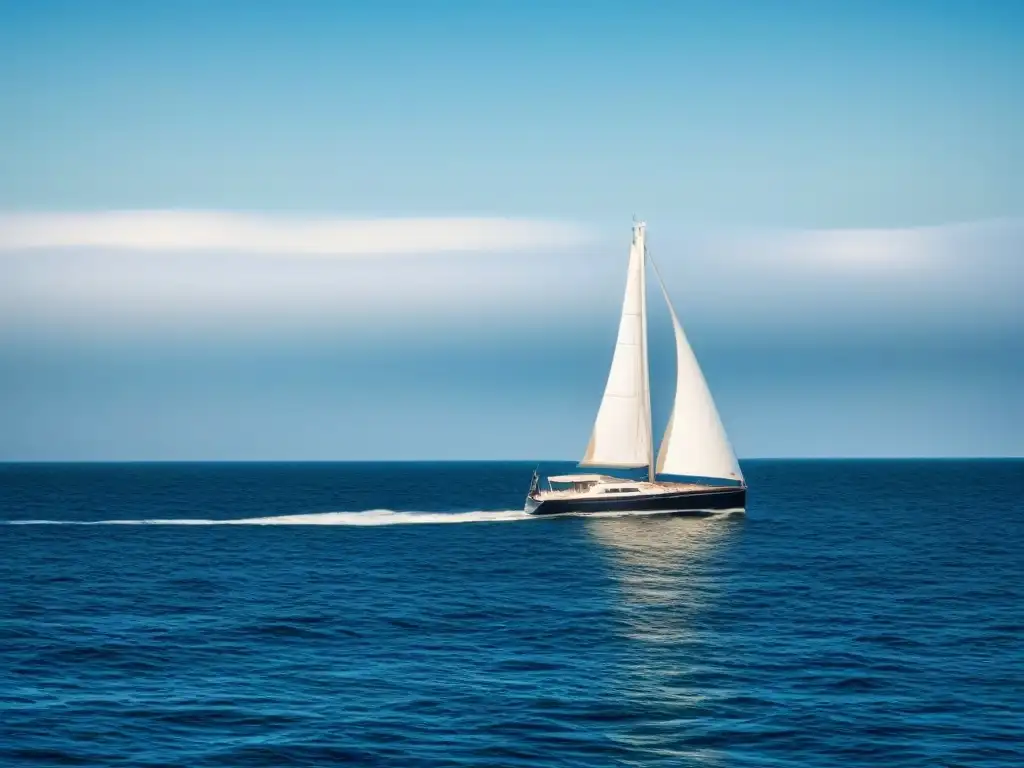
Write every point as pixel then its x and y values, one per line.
pixel 265 233
pixel 936 281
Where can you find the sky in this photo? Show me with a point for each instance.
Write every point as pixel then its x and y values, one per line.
pixel 398 230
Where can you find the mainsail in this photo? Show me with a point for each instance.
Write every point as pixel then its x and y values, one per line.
pixel 622 430
pixel 695 443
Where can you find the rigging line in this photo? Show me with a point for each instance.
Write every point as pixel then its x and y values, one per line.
pixel 661 282
pixel 664 288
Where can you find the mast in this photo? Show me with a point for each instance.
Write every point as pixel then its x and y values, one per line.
pixel 640 229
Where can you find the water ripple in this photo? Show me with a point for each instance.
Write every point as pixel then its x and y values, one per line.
pixel 862 614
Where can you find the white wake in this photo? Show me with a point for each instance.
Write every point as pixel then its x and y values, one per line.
pixel 368 517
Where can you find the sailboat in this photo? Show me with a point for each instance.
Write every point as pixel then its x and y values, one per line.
pixel 696 468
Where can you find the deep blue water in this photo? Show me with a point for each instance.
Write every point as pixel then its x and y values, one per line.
pixel 862 613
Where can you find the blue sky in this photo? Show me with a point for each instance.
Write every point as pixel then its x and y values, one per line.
pixel 835 193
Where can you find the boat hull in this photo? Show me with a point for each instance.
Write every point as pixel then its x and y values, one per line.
pixel 703 500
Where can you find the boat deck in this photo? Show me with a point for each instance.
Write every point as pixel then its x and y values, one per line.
pixel 606 490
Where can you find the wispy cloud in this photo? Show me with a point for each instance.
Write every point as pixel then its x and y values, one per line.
pixel 826 283
pixel 183 231
pixel 803 282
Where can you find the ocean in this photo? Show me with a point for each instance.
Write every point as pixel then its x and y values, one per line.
pixel 862 613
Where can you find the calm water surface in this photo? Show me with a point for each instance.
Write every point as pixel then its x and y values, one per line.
pixel 862 613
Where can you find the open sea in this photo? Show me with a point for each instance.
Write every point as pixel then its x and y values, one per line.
pixel 863 613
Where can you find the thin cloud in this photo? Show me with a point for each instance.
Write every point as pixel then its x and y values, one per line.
pixel 915 250
pixel 828 283
pixel 186 231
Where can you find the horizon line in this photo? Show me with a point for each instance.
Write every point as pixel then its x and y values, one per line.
pixel 4 462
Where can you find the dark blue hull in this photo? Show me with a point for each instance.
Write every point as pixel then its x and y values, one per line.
pixel 699 500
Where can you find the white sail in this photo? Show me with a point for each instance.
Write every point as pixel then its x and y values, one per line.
pixel 622 430
pixel 695 443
